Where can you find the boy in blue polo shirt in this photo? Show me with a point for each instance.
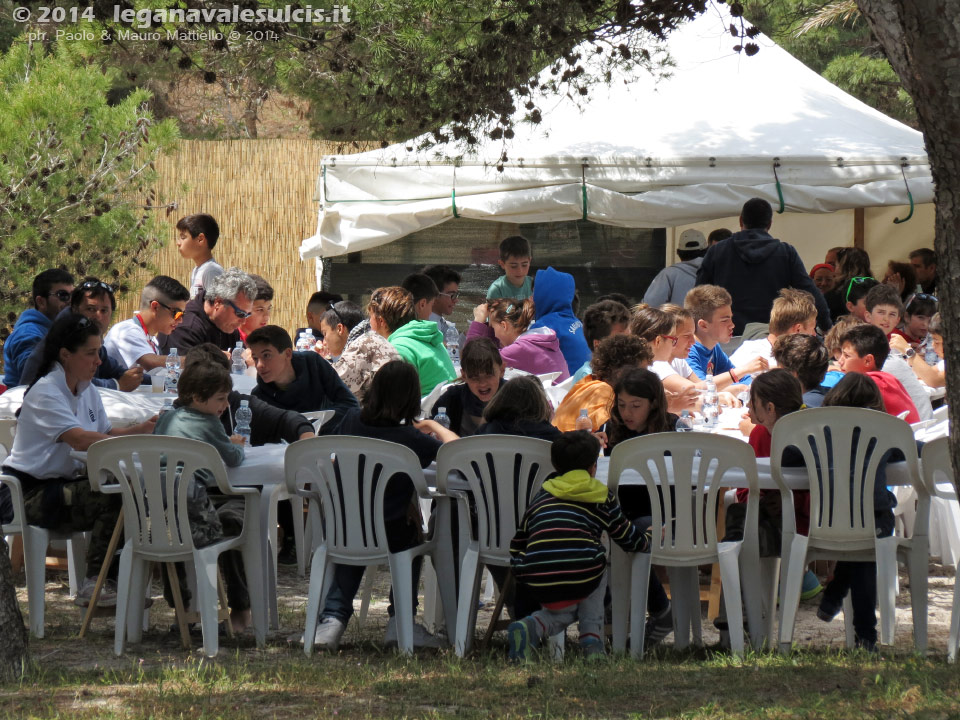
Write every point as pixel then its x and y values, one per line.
pixel 712 310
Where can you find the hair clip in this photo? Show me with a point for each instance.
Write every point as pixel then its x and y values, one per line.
pixel 510 308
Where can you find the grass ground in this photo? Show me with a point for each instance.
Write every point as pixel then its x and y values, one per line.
pixel 71 678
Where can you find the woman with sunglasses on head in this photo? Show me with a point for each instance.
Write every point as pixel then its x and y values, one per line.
pixel 214 315
pixel 61 412
pixel 134 341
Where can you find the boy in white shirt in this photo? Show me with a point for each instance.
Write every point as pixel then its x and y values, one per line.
pixel 196 237
pixel 794 311
pixel 134 341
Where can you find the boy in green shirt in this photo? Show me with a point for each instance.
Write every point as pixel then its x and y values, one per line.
pixel 515 260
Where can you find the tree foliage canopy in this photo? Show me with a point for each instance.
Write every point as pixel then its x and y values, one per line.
pixel 75 173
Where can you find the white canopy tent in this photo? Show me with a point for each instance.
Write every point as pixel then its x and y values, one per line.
pixel 640 153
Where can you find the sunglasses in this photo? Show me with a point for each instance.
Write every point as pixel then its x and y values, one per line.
pixel 242 314
pixel 452 295
pixel 672 338
pixel 175 313
pixel 858 281
pixel 61 295
pixel 337 313
pixel 97 284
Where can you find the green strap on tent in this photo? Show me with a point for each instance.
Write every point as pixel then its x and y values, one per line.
pixel 583 189
pixel 453 199
pixel 897 221
pixel 776 164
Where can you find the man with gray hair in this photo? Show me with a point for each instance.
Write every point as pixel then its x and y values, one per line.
pixel 215 314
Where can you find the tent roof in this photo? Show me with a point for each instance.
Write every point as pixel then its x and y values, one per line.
pixel 641 153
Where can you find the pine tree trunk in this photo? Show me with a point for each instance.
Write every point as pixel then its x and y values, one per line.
pixel 921 38
pixel 13 633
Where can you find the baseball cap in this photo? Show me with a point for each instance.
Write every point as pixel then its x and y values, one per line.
pixel 692 240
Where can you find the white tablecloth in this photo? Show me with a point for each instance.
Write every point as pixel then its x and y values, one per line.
pixel 123 408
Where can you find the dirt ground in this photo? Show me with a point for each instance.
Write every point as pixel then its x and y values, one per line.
pixel 62 648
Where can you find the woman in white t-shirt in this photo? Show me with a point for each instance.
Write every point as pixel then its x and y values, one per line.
pixel 62 411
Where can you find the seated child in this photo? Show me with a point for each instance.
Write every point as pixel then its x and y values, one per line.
pixel 389 413
pixel 519 407
pixel 481 370
pixel 203 391
pixel 793 312
pixel 558 552
pixel 806 358
pixel 658 328
pixel 262 308
pixel 915 329
pixel 555 302
pixel 860 578
pixel 602 319
pixel 355 356
pixel 865 350
pixel 883 307
pixel 595 392
pixel 536 351
pixel 834 348
pixel 317 305
pixel 855 294
pixel 712 309
pixel 883 312
pixel 933 375
pixel 514 259
pixel 639 408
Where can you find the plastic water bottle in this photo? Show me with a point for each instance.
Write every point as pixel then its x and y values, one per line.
pixel 167 407
pixel 173 371
pixel 306 341
pixel 244 417
pixel 710 407
pixel 239 365
pixel 931 357
pixel 583 421
pixel 744 397
pixel 451 338
pixel 442 418
pixel 685 422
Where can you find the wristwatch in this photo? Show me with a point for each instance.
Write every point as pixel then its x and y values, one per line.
pixel 909 353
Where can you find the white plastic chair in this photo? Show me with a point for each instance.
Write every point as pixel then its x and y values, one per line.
pixel 503 473
pixel 935 461
pixel 684 535
pixel 148 469
pixel 941 413
pixel 841 510
pixel 36 541
pixel 347 478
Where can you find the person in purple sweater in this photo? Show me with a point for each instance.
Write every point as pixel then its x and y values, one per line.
pixel 534 351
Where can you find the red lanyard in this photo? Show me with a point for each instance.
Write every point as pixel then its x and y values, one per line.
pixel 153 345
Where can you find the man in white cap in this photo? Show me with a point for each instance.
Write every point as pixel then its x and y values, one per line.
pixel 672 283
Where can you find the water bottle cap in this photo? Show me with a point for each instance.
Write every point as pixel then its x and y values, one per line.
pixel 309 331
pixel 685 413
pixel 239 345
pixel 441 411
pixel 244 403
pixel 584 411
pixel 173 351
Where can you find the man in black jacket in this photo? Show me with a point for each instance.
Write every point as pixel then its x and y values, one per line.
pixel 299 381
pixel 214 315
pixel 754 267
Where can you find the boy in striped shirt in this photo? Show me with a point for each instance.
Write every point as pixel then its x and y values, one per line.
pixel 558 554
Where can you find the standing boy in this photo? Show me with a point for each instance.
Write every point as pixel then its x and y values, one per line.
pixel 515 258
pixel 196 237
pixel 711 307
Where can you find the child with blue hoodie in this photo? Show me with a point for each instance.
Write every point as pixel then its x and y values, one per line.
pixel 553 301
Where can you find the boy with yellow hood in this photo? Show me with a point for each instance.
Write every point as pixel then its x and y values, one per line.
pixel 557 552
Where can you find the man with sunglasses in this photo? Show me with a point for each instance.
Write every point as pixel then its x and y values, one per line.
pixel 51 293
pixel 214 315
pixel 134 341
pixel 447 281
pixel 95 301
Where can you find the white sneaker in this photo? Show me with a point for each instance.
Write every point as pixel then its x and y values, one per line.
pixel 328 634
pixel 421 638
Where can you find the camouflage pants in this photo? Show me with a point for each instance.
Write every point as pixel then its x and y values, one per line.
pixel 76 507
pixel 209 523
